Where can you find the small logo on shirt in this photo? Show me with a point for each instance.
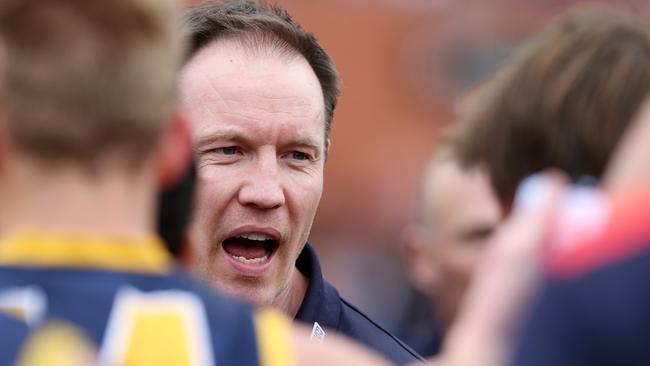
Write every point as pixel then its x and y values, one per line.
pixel 317 333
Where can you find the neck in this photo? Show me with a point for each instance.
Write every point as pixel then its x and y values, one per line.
pixel 291 298
pixel 68 200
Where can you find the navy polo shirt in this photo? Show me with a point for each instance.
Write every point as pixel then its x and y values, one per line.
pixel 322 304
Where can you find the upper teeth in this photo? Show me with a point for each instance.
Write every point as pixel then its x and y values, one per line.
pixel 257 237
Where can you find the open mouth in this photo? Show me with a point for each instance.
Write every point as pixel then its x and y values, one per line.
pixel 253 248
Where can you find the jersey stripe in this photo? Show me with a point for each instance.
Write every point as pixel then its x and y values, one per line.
pixel 274 339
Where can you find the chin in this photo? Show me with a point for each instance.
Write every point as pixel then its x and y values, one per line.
pixel 254 295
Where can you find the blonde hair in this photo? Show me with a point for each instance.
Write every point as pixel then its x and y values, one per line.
pixel 83 80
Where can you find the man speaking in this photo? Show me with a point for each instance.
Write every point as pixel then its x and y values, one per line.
pixel 260 93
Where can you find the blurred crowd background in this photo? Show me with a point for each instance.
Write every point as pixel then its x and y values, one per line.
pixel 403 64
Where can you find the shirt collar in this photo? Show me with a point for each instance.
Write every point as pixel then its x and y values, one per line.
pixel 130 254
pixel 322 302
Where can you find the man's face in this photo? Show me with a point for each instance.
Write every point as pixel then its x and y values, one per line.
pixel 461 212
pixel 258 132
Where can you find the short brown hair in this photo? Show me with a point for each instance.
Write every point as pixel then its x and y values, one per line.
pixel 259 24
pixel 85 78
pixel 564 100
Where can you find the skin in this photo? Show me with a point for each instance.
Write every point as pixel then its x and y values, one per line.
pixel 505 279
pixel 628 167
pixel 457 214
pixel 122 201
pixel 336 351
pixel 257 121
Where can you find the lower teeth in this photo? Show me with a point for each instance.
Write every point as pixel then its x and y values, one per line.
pixel 252 260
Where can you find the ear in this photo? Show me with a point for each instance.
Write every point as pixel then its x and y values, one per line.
pixel 418 261
pixel 175 151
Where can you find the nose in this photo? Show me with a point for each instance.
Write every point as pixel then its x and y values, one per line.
pixel 263 188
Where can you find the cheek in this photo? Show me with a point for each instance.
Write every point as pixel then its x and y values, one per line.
pixel 304 197
pixel 211 197
pixel 461 262
pixel 216 184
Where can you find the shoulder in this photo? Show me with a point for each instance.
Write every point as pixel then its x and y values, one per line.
pixel 357 325
pixel 215 329
pixel 224 313
pixel 323 304
pixel 12 334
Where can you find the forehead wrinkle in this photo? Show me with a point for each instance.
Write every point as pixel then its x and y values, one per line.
pixel 233 107
pixel 247 100
pixel 255 91
pixel 229 109
pixel 256 99
pixel 243 65
pixel 258 115
pixel 231 126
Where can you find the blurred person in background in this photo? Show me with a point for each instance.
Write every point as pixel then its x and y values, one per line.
pixel 484 330
pixel 592 305
pixel 456 211
pixel 564 102
pixel 593 247
pixel 88 93
pixel 260 93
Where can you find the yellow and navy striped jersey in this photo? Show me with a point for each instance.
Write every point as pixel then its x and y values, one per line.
pixel 127 298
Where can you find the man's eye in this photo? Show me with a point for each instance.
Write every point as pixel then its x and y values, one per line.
pixel 297 155
pixel 229 150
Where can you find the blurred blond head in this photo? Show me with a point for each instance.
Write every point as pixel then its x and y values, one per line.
pixel 85 80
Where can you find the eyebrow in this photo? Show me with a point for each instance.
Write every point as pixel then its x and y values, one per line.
pixel 221 135
pixel 236 136
pixel 306 143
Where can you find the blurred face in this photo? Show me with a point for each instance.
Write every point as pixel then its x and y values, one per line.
pixel 461 212
pixel 258 131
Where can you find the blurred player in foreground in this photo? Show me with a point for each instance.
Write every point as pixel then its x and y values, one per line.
pixel 87 135
pixel 564 102
pixel 591 308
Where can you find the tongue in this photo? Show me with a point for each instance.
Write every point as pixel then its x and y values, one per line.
pixel 248 249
